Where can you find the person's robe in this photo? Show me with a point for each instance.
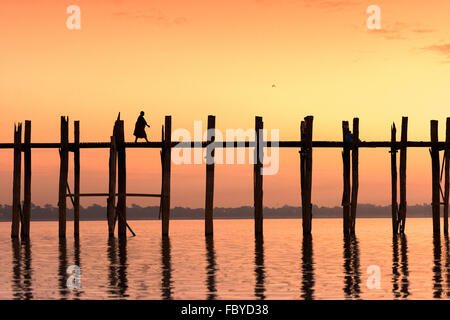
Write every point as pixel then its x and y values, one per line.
pixel 139 129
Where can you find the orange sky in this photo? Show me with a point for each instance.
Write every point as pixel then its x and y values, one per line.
pixel 194 58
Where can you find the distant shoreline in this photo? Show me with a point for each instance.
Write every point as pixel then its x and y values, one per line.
pixel 98 213
pixel 199 219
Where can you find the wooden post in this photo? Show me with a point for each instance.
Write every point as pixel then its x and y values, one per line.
pixel 355 174
pixel 112 187
pixel 447 173
pixel 122 180
pixel 167 161
pixel 257 176
pixel 209 197
pixel 435 176
pixel 15 225
pixel 76 167
pixel 402 208
pixel 302 175
pixel 25 232
pixel 63 172
pixel 346 178
pixel 394 180
pixel 161 153
pixel 307 175
pixel 308 167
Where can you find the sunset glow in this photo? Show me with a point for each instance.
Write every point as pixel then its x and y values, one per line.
pixel 190 59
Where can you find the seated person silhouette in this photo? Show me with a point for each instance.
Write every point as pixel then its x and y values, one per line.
pixel 139 129
pixel 348 137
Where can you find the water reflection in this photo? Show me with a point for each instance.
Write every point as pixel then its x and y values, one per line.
pixel 62 269
pixel 22 271
pixel 352 273
pixel 77 262
pixel 259 268
pixel 437 269
pixel 400 272
pixel 395 267
pixel 211 268
pixel 166 269
pixel 307 268
pixel 117 275
pixel 447 265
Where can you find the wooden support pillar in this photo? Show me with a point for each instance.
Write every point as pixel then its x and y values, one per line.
pixel 257 176
pixel 346 179
pixel 302 175
pixel 435 176
pixel 167 161
pixel 76 167
pixel 16 215
pixel 122 180
pixel 306 173
pixel 402 208
pixel 209 197
pixel 25 232
pixel 394 180
pixel 161 153
pixel 355 174
pixel 447 174
pixel 111 202
pixel 63 173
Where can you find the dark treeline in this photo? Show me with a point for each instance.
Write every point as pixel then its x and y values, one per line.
pixel 135 212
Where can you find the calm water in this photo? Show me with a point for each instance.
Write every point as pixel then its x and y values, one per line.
pixel 231 266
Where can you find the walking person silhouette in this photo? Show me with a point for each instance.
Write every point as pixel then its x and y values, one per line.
pixel 139 129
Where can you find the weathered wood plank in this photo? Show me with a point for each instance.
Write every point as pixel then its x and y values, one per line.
pixel 111 202
pixel 308 174
pixel 167 162
pixel 394 203
pixel 355 174
pixel 25 232
pixel 232 144
pixel 435 177
pixel 447 174
pixel 209 196
pixel 76 169
pixel 15 225
pixel 257 176
pixel 403 148
pixel 122 180
pixel 63 173
pixel 346 179
pixel 303 176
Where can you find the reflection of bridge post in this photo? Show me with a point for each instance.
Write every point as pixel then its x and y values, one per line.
pixel 27 270
pixel 16 271
pixel 437 270
pixel 22 272
pixel 400 273
pixel 307 268
pixel 352 273
pixel 211 268
pixel 77 259
pixel 259 268
pixel 166 267
pixel 404 266
pixel 395 267
pixel 117 275
pixel 112 274
pixel 447 265
pixel 122 269
pixel 62 268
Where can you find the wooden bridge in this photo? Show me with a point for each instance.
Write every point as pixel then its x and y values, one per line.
pixel 117 191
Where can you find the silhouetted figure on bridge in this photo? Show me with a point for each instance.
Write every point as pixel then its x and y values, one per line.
pixel 139 129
